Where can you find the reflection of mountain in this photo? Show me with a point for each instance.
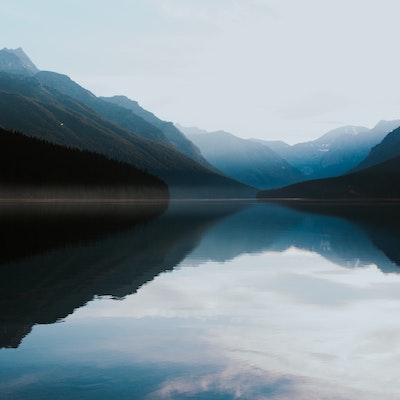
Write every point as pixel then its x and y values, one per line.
pixel 380 224
pixel 61 268
pixel 276 228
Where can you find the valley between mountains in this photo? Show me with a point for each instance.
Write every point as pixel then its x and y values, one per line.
pixel 57 134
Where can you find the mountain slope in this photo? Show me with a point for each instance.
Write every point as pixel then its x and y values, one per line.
pixel 376 182
pixel 114 113
pixel 245 160
pixel 172 133
pixel 334 153
pixel 385 150
pixel 39 168
pixel 30 107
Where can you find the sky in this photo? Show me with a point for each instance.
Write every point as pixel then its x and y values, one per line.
pixel 273 69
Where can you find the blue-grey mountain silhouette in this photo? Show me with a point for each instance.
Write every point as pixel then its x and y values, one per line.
pixel 334 153
pixel 15 61
pixel 170 131
pixel 245 160
pixel 385 150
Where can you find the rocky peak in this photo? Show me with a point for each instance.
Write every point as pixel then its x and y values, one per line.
pixel 15 61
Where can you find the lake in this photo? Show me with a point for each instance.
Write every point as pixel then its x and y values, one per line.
pixel 210 300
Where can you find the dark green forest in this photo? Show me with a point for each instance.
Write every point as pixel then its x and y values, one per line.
pixel 27 162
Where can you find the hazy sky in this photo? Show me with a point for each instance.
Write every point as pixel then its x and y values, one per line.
pixel 273 69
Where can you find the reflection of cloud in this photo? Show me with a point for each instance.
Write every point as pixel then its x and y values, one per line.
pixel 251 383
pixel 18 383
pixel 239 383
pixel 333 331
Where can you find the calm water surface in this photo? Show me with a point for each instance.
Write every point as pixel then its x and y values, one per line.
pixel 207 301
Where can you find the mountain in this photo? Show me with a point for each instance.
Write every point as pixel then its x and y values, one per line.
pixel 114 113
pixel 28 106
pixel 31 167
pixel 245 160
pixel 15 61
pixel 192 130
pixel 377 182
pixel 126 113
pixel 385 150
pixel 334 153
pixel 175 137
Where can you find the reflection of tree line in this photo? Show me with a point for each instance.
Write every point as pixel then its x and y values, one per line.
pixel 56 260
pixel 54 263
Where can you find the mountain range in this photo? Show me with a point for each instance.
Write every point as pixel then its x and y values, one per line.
pixel 375 177
pixel 245 160
pixel 194 163
pixel 334 153
pixel 275 164
pixel 51 106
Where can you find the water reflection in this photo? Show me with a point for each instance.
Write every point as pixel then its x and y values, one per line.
pixel 370 238
pixel 56 259
pixel 289 325
pixel 219 301
pixel 33 227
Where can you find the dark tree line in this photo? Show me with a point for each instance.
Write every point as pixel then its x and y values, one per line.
pixel 34 162
pixel 377 182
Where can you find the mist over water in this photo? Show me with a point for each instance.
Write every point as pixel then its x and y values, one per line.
pixel 209 300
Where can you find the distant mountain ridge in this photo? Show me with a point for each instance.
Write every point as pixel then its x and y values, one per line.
pixel 245 160
pixel 334 153
pixel 385 150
